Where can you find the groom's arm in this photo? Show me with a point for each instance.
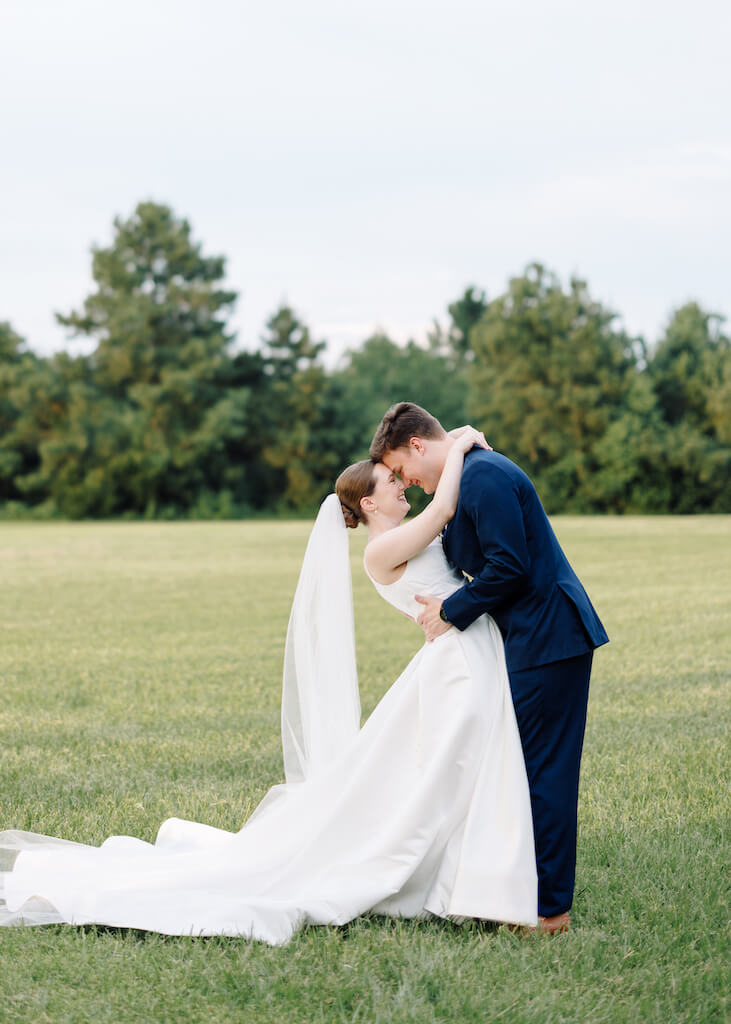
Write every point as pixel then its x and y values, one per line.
pixel 491 500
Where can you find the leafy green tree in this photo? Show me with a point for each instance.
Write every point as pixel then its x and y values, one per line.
pixel 667 450
pixel 232 436
pixel 57 427
pixel 719 399
pixel 36 402
pixel 687 365
pixel 464 313
pixel 631 471
pixel 163 418
pixel 17 454
pixel 161 366
pixel 453 342
pixel 296 419
pixel 158 304
pixel 690 371
pixel 12 346
pixel 380 373
pixel 549 375
pixel 288 347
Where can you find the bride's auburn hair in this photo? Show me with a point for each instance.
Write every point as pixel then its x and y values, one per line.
pixel 356 482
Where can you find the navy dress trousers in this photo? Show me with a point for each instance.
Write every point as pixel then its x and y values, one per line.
pixel 500 537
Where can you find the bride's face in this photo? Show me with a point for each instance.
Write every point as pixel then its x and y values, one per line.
pixel 388 494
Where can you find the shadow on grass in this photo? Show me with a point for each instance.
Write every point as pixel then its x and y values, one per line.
pixel 369 923
pixel 359 927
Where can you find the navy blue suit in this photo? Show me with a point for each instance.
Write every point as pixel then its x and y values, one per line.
pixel 500 536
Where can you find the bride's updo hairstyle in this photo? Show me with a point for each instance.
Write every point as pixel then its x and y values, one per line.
pixel 356 482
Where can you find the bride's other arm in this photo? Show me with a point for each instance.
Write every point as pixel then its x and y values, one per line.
pixel 391 549
pixel 458 431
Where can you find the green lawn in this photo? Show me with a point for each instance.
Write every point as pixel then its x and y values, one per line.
pixel 140 678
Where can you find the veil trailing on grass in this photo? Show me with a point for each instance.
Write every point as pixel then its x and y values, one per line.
pixel 320 704
pixel 320 699
pixel 35 910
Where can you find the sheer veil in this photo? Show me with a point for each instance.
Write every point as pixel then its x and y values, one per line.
pixel 320 699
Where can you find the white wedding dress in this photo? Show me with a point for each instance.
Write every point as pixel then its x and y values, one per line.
pixel 425 811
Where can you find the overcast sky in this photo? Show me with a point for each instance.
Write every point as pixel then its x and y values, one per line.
pixel 366 161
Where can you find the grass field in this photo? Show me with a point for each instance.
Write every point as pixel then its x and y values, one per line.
pixel 140 678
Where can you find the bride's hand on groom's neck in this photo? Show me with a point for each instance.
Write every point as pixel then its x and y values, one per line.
pixel 469 436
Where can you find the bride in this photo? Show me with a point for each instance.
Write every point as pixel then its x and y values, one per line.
pixel 425 810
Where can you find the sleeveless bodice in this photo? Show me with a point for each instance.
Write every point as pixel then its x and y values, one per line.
pixel 427 573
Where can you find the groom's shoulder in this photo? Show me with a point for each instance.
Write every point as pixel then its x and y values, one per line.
pixel 480 462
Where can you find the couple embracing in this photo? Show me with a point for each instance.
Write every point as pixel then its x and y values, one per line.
pixel 457 797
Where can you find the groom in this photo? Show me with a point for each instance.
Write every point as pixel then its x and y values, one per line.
pixel 516 571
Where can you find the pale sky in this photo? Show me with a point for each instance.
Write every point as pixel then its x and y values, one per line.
pixel 366 161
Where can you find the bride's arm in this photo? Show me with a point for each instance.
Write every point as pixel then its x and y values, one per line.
pixel 394 547
pixel 458 431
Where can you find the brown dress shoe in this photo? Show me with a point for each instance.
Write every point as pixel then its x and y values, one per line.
pixel 545 926
pixel 552 925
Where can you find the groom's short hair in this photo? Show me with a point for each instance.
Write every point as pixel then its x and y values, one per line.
pixel 403 421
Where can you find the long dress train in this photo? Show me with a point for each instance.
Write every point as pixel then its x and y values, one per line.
pixel 426 811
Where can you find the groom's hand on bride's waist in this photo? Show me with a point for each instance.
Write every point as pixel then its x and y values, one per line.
pixel 430 619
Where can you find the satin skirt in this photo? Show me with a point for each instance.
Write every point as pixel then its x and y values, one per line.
pixel 426 812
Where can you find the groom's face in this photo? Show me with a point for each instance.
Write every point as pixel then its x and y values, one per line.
pixel 415 465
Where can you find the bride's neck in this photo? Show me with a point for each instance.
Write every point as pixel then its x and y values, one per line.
pixel 379 526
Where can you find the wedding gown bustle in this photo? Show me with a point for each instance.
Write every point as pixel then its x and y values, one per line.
pixel 426 811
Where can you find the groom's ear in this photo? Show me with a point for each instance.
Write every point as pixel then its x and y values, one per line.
pixel 417 445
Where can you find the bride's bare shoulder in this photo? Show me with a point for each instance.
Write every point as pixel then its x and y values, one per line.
pixel 376 564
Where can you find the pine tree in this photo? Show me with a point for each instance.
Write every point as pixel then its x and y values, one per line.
pixel 161 364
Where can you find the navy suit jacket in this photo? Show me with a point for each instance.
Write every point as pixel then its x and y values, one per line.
pixel 501 537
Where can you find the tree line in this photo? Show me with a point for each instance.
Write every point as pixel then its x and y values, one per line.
pixel 167 418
